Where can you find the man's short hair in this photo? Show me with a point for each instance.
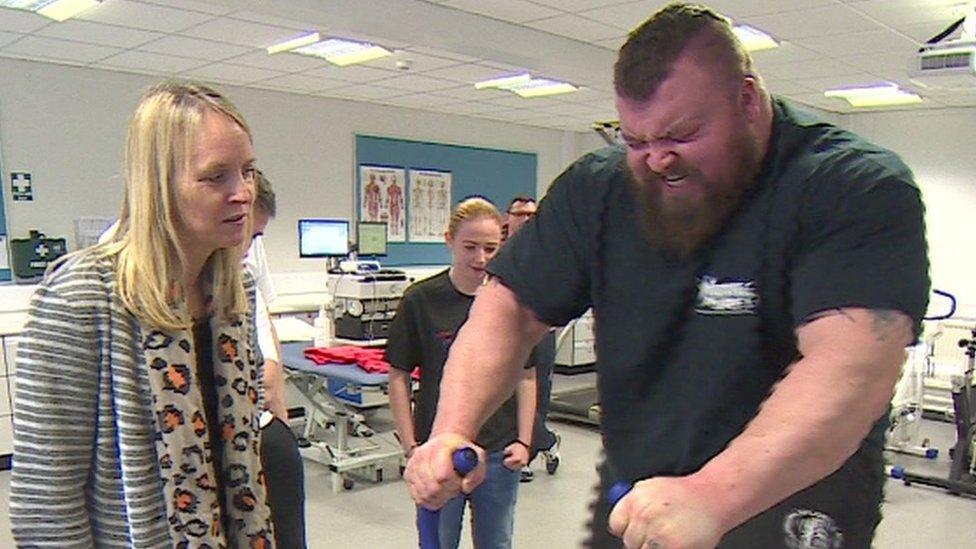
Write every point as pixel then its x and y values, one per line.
pixel 265 195
pixel 649 54
pixel 525 199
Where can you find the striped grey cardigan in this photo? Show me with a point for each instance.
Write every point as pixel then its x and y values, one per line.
pixel 85 466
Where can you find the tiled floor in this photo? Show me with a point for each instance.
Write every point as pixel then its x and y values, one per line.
pixel 552 509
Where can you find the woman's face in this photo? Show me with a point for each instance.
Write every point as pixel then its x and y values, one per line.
pixel 473 245
pixel 214 195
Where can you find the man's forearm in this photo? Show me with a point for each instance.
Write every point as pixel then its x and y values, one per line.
pixel 813 421
pixel 494 345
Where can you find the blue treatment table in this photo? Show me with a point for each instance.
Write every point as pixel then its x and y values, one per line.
pixel 334 395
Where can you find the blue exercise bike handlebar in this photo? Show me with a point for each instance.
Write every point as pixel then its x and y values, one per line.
pixel 465 460
pixel 617 492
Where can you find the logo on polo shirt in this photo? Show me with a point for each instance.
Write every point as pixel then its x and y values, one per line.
pixel 726 296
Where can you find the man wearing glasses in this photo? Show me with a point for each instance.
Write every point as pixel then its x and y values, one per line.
pixel 544 441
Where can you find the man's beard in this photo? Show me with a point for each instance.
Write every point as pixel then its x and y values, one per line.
pixel 681 225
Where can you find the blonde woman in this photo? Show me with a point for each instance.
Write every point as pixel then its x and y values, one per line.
pixel 429 316
pixel 136 414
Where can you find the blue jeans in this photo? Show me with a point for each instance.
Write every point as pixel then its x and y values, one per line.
pixel 492 509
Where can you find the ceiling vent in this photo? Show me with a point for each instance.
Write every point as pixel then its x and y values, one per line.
pixel 949 64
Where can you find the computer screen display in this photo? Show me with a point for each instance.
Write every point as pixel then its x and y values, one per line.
pixel 371 238
pixel 323 237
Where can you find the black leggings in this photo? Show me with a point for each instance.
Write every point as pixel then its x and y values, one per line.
pixel 840 511
pixel 285 473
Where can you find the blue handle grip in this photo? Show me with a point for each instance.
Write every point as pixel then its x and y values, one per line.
pixel 465 460
pixel 617 492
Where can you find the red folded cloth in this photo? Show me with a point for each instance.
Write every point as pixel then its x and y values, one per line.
pixel 367 358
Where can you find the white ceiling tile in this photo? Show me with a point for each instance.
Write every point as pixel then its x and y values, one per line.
pixel 741 9
pixel 22 21
pixel 827 20
pixel 577 5
pixel 191 5
pixel 127 13
pixel 923 32
pixel 626 16
pixel 880 63
pixel 283 62
pixel 788 53
pixel 614 43
pixel 420 48
pixel 808 69
pixel 511 101
pixel 416 83
pixel 575 27
pixel 99 34
pixel 365 91
pixel 786 87
pixel 302 83
pixel 243 33
pixel 235 74
pixel 823 83
pixel 8 37
pixel 353 73
pixel 467 74
pixel 417 62
pixel 151 62
pixel 588 95
pixel 36 47
pixel 899 13
pixel 196 48
pixel 832 104
pixel 272 20
pixel 469 93
pixel 420 100
pixel 516 11
pixel 839 45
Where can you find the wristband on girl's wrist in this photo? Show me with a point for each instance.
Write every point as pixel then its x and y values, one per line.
pixel 523 443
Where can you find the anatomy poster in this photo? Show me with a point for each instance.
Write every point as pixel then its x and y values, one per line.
pixel 430 205
pixel 382 197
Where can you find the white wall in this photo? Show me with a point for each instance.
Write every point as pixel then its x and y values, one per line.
pixel 66 126
pixel 938 146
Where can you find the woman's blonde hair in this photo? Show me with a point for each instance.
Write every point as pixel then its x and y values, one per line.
pixel 150 262
pixel 472 207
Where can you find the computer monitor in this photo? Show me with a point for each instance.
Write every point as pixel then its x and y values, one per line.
pixel 323 237
pixel 371 238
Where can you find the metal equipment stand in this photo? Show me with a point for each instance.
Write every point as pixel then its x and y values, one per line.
pixel 962 473
pixel 365 459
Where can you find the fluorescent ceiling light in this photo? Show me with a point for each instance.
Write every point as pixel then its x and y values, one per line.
pixel 525 86
pixel 882 95
pixel 540 87
pixel 754 39
pixel 59 10
pixel 504 82
pixel 344 52
pixel 292 43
